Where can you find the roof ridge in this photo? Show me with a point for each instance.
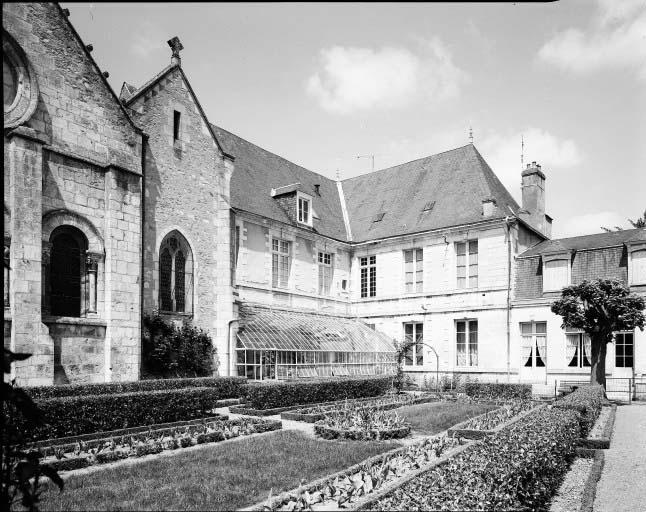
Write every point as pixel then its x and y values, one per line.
pixel 405 163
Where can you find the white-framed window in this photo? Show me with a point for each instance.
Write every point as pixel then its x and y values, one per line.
pixel 414 270
pixel 578 351
pixel 368 276
pixel 533 337
pixel 638 274
pixel 466 333
pixel 555 274
pixel 414 343
pixel 326 270
pixel 304 209
pixel 467 263
pixel 280 263
pixel 624 349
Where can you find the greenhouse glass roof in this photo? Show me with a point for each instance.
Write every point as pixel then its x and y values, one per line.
pixel 264 328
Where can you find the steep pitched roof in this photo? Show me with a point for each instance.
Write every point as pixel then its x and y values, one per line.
pixel 578 243
pixel 257 171
pixel 437 191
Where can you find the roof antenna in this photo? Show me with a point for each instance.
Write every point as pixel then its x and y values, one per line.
pixel 369 156
pixel 522 152
pixel 470 135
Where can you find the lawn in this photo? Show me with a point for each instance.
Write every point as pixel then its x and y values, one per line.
pixel 434 417
pixel 222 477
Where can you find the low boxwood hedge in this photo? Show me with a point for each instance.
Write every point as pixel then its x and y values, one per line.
pixel 228 387
pixel 70 416
pixel 284 394
pixel 587 400
pixel 498 391
pixel 517 469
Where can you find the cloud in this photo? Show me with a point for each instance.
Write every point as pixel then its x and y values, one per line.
pixel 590 223
pixel 148 39
pixel 352 79
pixel 615 38
pixel 502 153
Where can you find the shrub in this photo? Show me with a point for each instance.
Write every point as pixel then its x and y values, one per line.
pixel 518 468
pixel 70 416
pixel 587 400
pixel 498 391
pixel 169 351
pixel 226 387
pixel 285 394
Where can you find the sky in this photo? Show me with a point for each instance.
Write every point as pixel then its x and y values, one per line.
pixel 321 84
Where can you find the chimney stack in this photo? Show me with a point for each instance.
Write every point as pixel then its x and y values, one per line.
pixel 533 189
pixel 177 47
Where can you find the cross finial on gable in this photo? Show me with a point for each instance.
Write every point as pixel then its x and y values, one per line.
pixel 176 46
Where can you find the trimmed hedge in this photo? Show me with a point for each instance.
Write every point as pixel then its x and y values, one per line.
pixel 228 387
pixel 519 468
pixel 285 394
pixel 70 416
pixel 498 391
pixel 587 400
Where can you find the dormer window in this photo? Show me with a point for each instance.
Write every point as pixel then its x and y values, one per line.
pixel 556 274
pixel 304 209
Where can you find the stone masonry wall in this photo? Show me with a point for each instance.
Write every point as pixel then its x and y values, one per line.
pixel 187 189
pixel 76 161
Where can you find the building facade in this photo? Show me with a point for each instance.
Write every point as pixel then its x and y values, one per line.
pixel 118 207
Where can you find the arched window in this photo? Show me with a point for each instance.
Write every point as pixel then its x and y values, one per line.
pixel 175 274
pixel 67 267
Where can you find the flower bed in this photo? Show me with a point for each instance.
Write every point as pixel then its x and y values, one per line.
pixel 316 413
pixel 371 476
pixel 487 423
pixel 588 401
pixel 362 424
pixel 273 395
pixel 518 468
pixel 69 416
pixel 99 451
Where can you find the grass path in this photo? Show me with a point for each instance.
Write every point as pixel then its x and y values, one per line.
pixel 224 477
pixel 431 418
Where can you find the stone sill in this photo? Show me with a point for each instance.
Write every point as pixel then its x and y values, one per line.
pixel 175 313
pixel 72 320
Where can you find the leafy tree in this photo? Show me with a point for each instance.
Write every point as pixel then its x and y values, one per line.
pixel 21 469
pixel 599 308
pixel 640 222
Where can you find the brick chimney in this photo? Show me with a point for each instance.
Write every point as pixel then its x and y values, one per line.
pixel 533 189
pixel 177 47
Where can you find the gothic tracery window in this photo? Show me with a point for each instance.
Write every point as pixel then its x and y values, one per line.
pixel 175 274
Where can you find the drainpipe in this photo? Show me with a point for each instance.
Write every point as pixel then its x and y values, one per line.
pixel 228 354
pixel 508 297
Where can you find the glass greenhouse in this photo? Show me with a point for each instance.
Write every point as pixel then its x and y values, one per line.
pixel 280 344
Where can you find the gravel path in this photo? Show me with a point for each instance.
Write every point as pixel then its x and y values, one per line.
pixel 568 497
pixel 622 484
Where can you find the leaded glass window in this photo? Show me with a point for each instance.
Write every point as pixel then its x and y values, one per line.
pixel 175 275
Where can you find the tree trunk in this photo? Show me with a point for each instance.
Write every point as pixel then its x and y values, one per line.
pixel 599 349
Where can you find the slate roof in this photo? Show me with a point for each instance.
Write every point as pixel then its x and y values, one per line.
pixel 457 181
pixel 257 171
pixel 265 328
pixel 596 241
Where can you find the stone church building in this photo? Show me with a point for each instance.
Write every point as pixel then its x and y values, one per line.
pixel 118 206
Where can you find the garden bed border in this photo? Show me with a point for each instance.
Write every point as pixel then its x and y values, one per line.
pixel 313 418
pixel 603 442
pixel 319 482
pixel 590 486
pixel 85 461
pixel 107 434
pixel 475 434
